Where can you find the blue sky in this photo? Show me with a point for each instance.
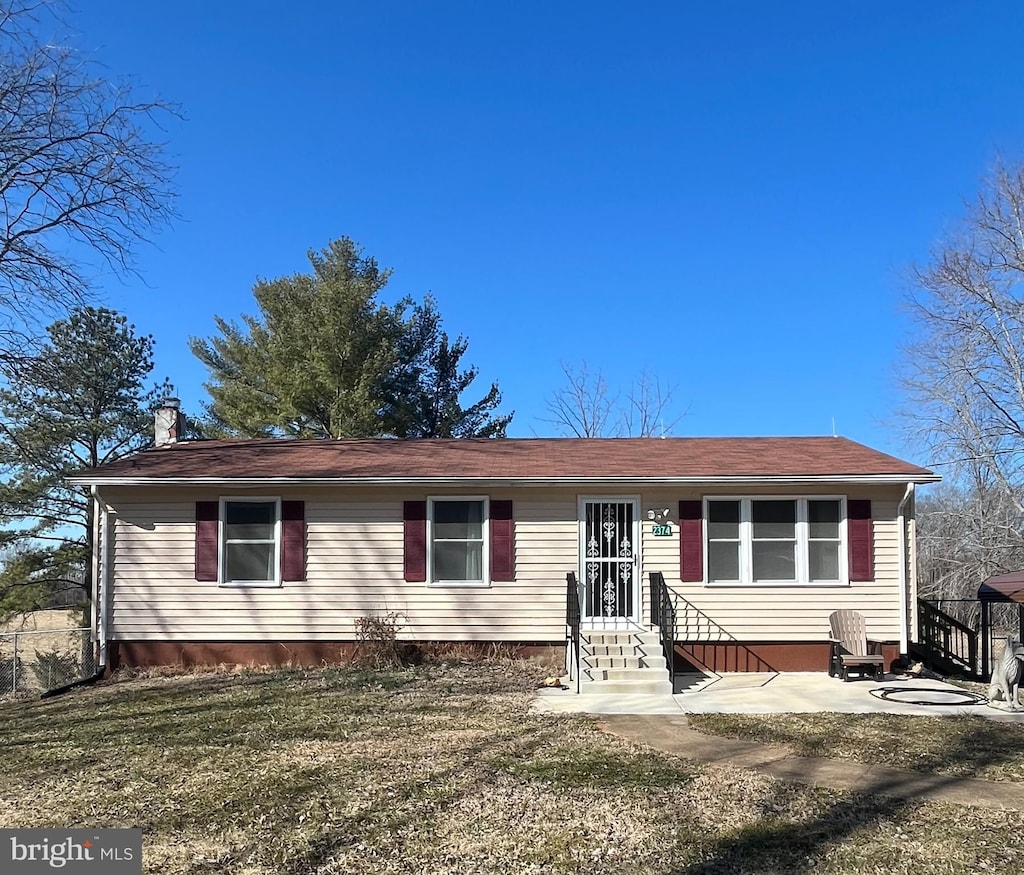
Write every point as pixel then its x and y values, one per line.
pixel 728 195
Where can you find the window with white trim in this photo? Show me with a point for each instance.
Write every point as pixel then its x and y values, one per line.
pixel 776 540
pixel 824 539
pixel 457 541
pixel 250 542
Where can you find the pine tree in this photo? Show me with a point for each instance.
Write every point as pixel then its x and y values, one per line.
pixel 76 402
pixel 432 407
pixel 326 359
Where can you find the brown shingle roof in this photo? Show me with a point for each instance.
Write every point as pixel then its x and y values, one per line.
pixel 1003 588
pixel 563 459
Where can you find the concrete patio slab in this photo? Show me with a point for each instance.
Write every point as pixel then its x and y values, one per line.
pixel 792 692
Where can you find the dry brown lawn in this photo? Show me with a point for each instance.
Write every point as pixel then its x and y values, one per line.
pixel 43 631
pixel 441 769
pixel 965 746
pixel 43 621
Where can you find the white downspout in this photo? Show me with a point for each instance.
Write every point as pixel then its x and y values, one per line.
pixel 102 581
pixel 95 560
pixel 904 576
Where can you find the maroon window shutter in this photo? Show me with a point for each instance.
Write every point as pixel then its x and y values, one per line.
pixel 207 536
pixel 415 516
pixel 691 541
pixel 860 532
pixel 293 540
pixel 503 545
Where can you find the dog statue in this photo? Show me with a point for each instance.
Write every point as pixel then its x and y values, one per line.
pixel 1006 676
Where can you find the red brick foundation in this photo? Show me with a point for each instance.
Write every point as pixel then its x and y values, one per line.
pixel 188 654
pixel 726 656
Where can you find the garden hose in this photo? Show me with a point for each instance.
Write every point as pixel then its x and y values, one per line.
pixel 966 697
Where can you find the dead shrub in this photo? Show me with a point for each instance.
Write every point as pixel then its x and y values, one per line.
pixel 550 660
pixel 377 644
pixel 457 652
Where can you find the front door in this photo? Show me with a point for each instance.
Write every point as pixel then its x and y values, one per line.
pixel 609 560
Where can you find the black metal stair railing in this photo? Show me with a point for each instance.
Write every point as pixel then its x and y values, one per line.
pixel 949 643
pixel 572 620
pixel 663 615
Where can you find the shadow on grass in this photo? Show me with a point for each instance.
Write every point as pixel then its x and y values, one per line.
pixel 920 743
pixel 771 846
pixel 768 848
pixel 249 714
pixel 99 727
pixel 411 803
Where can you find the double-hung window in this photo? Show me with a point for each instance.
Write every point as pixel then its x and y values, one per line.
pixel 825 539
pixel 250 542
pixel 776 540
pixel 457 541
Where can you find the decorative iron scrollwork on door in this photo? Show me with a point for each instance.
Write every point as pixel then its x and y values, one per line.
pixel 610 557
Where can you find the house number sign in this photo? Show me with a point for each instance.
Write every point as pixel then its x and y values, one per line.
pixel 663 531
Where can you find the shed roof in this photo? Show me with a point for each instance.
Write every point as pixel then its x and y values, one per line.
pixel 1003 588
pixel 511 459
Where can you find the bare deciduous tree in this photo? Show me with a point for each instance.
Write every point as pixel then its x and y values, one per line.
pixel 81 181
pixel 963 378
pixel 647 404
pixel 585 406
pixel 964 370
pixel 964 535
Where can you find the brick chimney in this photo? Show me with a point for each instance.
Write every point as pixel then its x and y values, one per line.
pixel 168 423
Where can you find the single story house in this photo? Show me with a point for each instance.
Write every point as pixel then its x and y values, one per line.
pixel 270 551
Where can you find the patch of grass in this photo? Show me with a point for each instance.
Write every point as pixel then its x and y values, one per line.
pixel 359 679
pixel 965 746
pixel 574 766
pixel 435 770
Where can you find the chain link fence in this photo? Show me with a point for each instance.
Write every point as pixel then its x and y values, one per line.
pixel 33 662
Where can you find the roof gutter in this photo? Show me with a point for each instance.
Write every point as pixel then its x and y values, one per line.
pixel 757 479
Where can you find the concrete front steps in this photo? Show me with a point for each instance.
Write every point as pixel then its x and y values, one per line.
pixel 627 662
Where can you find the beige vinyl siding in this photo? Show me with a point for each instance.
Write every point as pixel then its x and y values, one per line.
pixel 772 612
pixel 354 569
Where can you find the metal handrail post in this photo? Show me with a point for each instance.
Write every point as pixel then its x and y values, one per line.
pixel 573 612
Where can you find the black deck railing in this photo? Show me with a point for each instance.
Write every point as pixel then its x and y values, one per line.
pixel 663 615
pixel 572 620
pixel 951 643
